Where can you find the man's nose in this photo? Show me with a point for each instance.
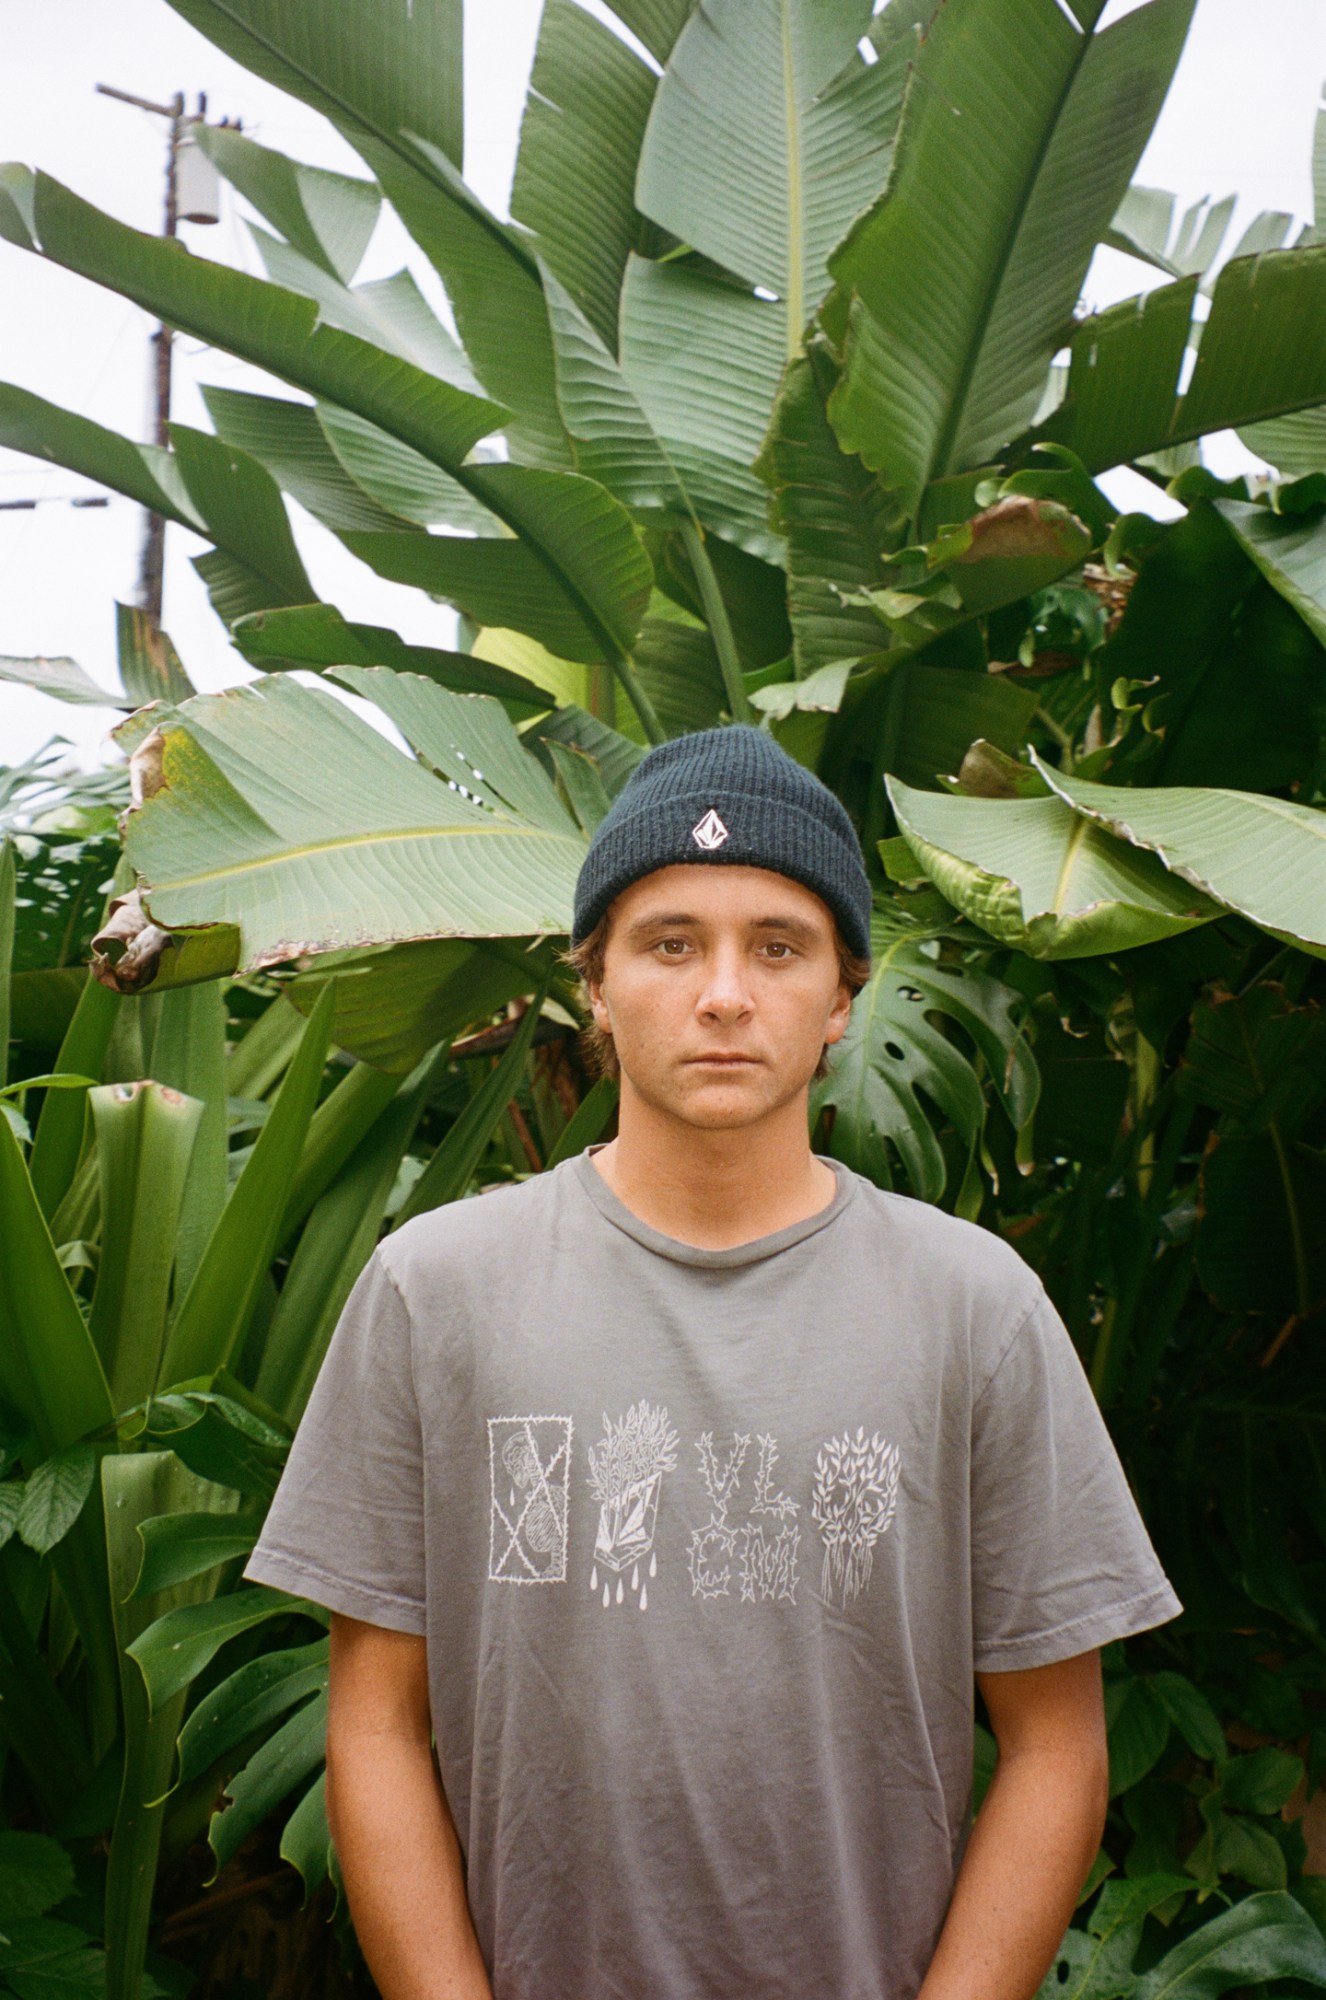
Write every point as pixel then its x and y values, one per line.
pixel 725 993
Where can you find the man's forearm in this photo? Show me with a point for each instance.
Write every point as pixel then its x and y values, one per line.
pixel 401 1864
pixel 1030 1851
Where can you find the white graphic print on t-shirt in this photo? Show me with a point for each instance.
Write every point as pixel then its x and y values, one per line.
pixel 765 1562
pixel 753 1559
pixel 529 1464
pixel 855 1498
pixel 626 1470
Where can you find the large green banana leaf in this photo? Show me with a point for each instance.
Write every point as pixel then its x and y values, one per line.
pixel 589 97
pixel 1260 358
pixel 371 70
pixel 576 577
pixel 1019 135
pixel 394 1003
pixel 390 312
pixel 575 549
pixel 317 636
pixel 274 812
pixel 289 440
pixel 1233 673
pixel 768 133
pixel 1293 445
pixel 61 678
pixel 1145 225
pixel 1265 857
pixel 255 563
pixel 322 219
pixel 656 23
pixel 703 358
pixel 144 472
pixel 399 478
pixel 275 329
pixel 201 484
pixel 834 512
pixel 1290 552
pixel 613 440
pixel 492 285
pixel 1041 877
pixel 328 217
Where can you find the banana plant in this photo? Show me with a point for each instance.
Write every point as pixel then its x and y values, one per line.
pixel 751 411
pixel 751 418
pixel 152 1376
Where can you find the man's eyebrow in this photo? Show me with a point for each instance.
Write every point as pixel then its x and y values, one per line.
pixel 796 927
pixel 664 920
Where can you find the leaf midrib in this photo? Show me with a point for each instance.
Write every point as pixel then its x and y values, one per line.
pixel 796 249
pixel 958 402
pixel 511 829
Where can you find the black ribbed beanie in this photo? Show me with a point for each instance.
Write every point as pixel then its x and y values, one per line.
pixel 727 795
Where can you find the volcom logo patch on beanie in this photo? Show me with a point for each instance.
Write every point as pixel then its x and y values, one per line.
pixel 710 831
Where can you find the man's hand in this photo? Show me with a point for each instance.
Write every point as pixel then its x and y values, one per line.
pixel 1035 1836
pixel 395 1839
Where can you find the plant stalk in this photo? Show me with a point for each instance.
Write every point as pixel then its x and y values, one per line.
pixel 639 700
pixel 720 628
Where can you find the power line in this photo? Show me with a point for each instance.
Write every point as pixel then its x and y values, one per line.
pixel 54 500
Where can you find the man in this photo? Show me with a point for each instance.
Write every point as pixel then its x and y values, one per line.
pixel 684 1491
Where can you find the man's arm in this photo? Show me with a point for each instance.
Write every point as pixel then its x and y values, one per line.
pixel 395 1839
pixel 1035 1837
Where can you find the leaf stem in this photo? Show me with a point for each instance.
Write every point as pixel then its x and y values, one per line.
pixel 625 671
pixel 720 628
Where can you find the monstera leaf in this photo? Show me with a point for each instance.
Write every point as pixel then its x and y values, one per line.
pixel 896 1047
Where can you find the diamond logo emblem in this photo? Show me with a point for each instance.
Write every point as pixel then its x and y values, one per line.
pixel 710 831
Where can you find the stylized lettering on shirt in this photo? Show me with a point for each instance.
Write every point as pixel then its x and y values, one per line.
pixel 762 1560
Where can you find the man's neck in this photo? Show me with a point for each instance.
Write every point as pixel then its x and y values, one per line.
pixel 715 1189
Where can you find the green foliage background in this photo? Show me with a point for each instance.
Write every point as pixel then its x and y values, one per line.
pixel 756 411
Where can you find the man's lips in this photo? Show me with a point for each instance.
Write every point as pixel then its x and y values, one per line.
pixel 720 1060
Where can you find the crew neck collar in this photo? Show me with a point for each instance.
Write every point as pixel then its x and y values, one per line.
pixel 615 1211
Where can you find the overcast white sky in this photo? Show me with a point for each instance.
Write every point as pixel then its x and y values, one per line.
pixel 1239 119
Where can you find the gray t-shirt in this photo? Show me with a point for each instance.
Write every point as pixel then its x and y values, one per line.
pixel 706 1545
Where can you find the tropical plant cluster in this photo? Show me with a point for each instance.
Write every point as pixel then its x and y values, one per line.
pixel 773 402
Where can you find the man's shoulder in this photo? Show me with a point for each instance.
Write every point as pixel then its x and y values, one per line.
pixel 958 1261
pixel 481 1226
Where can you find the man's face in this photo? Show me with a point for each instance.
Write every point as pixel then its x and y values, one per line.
pixel 720 987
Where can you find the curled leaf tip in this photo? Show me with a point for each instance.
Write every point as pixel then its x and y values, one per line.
pixel 146 777
pixel 126 951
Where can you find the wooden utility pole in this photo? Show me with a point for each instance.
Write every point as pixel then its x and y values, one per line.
pixel 151 571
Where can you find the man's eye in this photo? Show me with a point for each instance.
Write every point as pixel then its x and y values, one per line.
pixel 666 946
pixel 777 946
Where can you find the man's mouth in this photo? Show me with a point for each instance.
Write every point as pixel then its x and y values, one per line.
pixel 722 1061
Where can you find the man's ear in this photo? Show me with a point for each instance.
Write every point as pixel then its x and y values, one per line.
pixel 840 1013
pixel 598 1006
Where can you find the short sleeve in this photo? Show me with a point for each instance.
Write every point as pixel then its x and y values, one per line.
pixel 1061 1561
pixel 346 1525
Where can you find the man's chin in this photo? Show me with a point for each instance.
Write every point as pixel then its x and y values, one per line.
pixel 713 1097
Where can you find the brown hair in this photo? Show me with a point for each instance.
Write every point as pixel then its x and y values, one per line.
pixel 599 1049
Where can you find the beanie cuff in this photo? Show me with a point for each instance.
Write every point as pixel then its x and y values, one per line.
pixel 775 834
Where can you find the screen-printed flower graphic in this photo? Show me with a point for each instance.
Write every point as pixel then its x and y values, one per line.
pixel 626 1470
pixel 853 1504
